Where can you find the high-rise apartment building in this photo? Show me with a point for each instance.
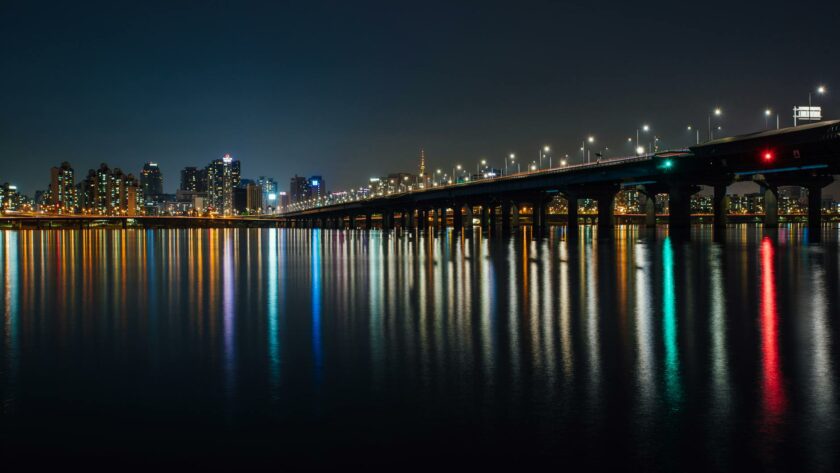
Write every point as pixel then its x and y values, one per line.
pixel 193 179
pixel 108 191
pixel 269 194
pixel 316 187
pixel 254 198
pixel 298 189
pixel 62 191
pixel 222 178
pixel 151 182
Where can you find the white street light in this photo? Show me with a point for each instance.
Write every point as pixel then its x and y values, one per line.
pixel 718 112
pixel 640 150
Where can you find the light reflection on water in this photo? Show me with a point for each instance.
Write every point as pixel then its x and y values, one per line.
pixel 641 349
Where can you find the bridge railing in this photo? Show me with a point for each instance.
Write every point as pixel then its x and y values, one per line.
pixel 505 177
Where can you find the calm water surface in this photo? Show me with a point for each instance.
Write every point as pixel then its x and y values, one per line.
pixel 315 348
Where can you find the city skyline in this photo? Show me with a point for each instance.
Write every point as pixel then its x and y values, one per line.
pixel 243 83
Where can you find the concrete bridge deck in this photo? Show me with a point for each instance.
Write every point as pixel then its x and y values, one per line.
pixel 807 156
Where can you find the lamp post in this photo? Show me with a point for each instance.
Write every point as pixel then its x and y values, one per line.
pixel 645 128
pixel 697 132
pixel 717 112
pixel 483 162
pixel 820 90
pixel 585 152
pixel 454 176
pixel 543 153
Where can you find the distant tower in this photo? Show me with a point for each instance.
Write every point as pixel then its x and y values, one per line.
pixel 422 162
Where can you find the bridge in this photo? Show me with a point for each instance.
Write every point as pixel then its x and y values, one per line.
pixel 807 156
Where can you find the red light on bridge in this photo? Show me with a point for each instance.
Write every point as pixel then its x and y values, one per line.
pixel 767 155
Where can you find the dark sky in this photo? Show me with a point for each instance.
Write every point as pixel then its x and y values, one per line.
pixel 351 90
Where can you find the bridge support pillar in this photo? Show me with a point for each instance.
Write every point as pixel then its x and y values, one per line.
pixel 650 210
pixel 387 220
pixel 606 215
pixel 540 214
pixel 679 205
pixel 505 215
pixel 369 221
pixel 719 206
pixel 515 214
pixel 572 217
pixel 468 216
pixel 457 217
pixel 408 218
pixel 815 211
pixel 771 206
pixel 485 216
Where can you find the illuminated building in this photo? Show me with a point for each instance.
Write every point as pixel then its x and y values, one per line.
pixel 222 178
pixel 269 194
pixel 151 182
pixel 62 192
pixel 10 199
pixel 298 189
pixel 193 179
pixel 253 198
pixel 109 192
pixel 317 187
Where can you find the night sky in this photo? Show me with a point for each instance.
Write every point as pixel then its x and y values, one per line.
pixel 351 90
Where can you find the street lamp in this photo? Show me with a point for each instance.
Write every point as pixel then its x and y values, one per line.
pixel 584 153
pixel 543 153
pixel 640 150
pixel 820 90
pixel 645 128
pixel 717 112
pixel 697 133
pixel 482 163
pixel 564 160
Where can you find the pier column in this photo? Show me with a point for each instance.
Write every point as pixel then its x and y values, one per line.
pixel 408 218
pixel 457 217
pixel 485 216
pixel 606 215
pixel 514 214
pixel 771 206
pixel 650 210
pixel 815 212
pixel 540 214
pixel 719 206
pixel 572 217
pixel 679 205
pixel 368 221
pixel 506 210
pixel 387 220
pixel 468 216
